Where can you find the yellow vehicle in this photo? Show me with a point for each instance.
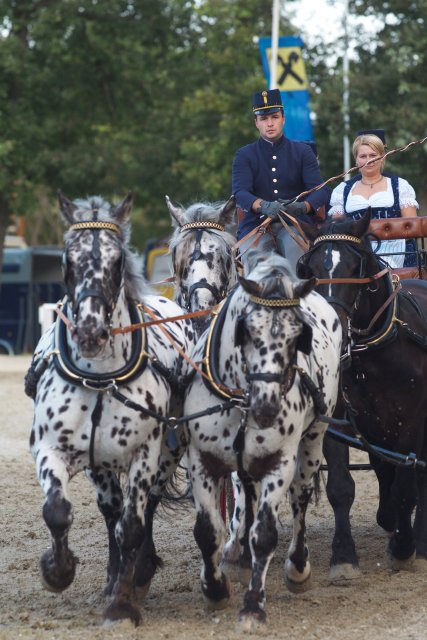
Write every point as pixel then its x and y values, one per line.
pixel 158 267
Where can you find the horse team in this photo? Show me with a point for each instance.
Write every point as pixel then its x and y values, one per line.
pixel 123 384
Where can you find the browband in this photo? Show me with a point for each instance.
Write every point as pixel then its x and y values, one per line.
pixel 206 224
pixel 275 302
pixel 92 224
pixel 337 236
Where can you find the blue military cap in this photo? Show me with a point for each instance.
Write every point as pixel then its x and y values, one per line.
pixel 265 102
pixel 380 133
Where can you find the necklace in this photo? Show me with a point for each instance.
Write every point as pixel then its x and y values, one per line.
pixel 371 184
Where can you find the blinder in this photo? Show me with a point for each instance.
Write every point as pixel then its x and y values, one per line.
pixel 239 331
pixel 64 266
pixel 303 270
pixel 305 339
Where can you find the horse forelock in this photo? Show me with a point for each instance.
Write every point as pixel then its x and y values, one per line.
pixel 202 212
pixel 273 273
pixel 96 207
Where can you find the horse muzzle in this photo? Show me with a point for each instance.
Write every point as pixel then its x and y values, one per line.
pixel 266 400
pixel 91 342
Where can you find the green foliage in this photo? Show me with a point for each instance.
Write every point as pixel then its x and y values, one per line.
pixel 103 96
pixel 387 89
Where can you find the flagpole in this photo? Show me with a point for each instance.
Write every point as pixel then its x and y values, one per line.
pixel 346 95
pixel 274 43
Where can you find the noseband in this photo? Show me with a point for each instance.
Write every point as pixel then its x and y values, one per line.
pixel 95 226
pixel 200 226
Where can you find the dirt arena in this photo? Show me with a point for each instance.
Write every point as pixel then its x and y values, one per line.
pixel 381 604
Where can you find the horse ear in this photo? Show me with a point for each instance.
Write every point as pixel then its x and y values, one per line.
pixel 304 287
pixel 67 208
pixel 228 212
pixel 250 286
pixel 176 212
pixel 122 210
pixel 311 231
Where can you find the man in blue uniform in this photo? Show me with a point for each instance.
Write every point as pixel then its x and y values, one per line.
pixel 268 174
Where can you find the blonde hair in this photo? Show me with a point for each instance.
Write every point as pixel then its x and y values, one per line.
pixel 374 142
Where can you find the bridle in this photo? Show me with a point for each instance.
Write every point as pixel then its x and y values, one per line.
pixel 257 301
pixel 210 361
pixel 218 293
pixel 93 292
pixel 354 246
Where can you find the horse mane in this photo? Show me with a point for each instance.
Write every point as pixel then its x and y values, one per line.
pixel 273 271
pixel 204 212
pixel 136 286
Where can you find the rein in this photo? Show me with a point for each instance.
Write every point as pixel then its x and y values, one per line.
pixel 366 280
pixel 149 323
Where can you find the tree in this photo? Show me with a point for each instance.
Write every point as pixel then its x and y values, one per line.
pixel 387 88
pixel 86 98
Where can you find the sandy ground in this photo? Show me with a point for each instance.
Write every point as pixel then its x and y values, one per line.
pixel 380 604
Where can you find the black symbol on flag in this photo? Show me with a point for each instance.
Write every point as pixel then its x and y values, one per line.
pixel 287 68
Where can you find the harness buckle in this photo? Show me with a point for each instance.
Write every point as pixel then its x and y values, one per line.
pixel 172 423
pixel 106 386
pixel 357 348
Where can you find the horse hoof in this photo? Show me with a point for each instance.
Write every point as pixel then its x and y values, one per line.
pixel 402 565
pixel 120 610
pixel 142 591
pixel 218 596
pixel 245 575
pixel 57 577
pixel 298 587
pixel 250 622
pixel 343 572
pixel 216 605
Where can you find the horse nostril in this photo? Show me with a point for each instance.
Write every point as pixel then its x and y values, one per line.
pixel 103 336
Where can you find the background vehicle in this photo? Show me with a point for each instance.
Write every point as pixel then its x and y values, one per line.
pixel 31 276
pixel 158 266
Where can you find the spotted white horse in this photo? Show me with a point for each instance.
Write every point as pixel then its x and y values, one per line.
pixel 274 350
pixel 201 248
pixel 103 397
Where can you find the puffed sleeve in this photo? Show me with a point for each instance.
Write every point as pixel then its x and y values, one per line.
pixel 406 195
pixel 337 200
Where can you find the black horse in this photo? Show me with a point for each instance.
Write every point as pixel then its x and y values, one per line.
pixel 383 385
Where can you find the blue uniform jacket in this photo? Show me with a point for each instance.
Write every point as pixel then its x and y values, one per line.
pixel 269 171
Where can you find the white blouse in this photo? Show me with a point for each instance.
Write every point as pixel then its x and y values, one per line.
pixel 383 199
pixel 378 199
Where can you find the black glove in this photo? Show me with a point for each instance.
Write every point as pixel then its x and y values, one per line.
pixel 293 208
pixel 271 209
